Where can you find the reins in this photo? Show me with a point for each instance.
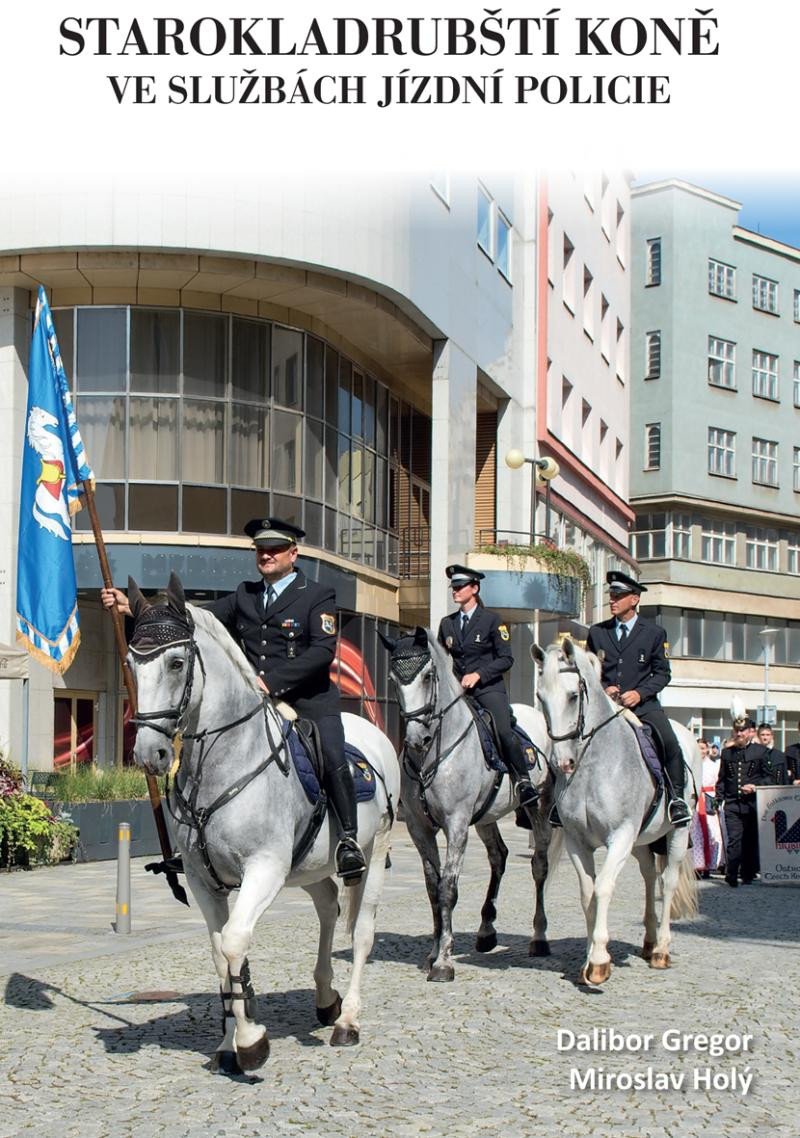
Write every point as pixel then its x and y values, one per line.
pixel 578 734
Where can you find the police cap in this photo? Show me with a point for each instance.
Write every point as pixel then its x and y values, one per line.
pixel 460 575
pixel 273 531
pixel 619 583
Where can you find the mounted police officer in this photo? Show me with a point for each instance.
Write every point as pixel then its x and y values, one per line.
pixel 635 668
pixel 744 766
pixel 479 645
pixel 286 626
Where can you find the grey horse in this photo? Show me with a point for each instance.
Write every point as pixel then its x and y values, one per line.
pixel 447 786
pixel 241 812
pixel 604 794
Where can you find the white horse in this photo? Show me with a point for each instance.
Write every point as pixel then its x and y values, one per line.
pixel 604 794
pixel 447 785
pixel 242 816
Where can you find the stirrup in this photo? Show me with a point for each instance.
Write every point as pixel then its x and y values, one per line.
pixel 527 793
pixel 678 812
pixel 350 863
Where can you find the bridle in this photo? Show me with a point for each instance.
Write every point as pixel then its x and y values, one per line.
pixel 577 733
pixel 405 666
pixel 158 629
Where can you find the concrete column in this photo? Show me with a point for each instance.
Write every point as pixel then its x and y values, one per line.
pixel 453 466
pixel 14 333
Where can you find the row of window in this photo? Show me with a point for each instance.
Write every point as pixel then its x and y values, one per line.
pixel 722 281
pixel 715 541
pixel 727 637
pixel 494 232
pixel 765 367
pixel 721 454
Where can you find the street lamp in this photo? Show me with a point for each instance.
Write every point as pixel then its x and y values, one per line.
pixel 543 471
pixel 767 714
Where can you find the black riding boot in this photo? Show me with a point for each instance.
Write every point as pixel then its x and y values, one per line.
pixel 350 863
pixel 678 812
pixel 527 793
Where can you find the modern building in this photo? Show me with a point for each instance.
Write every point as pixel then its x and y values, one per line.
pixel 715 451
pixel 355 356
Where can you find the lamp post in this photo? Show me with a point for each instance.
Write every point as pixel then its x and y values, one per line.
pixel 767 714
pixel 543 471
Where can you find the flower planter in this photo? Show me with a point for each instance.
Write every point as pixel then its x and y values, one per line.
pixel 98 823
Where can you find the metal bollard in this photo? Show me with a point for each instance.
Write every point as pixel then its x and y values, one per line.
pixel 123 921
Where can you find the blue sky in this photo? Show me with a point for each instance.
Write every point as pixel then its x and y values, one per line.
pixel 770 201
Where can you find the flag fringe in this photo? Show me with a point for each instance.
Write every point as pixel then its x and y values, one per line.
pixel 57 666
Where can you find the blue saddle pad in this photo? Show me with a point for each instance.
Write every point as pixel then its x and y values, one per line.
pixel 644 737
pixel 364 778
pixel 493 757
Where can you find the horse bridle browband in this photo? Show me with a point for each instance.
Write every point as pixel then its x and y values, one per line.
pixel 577 732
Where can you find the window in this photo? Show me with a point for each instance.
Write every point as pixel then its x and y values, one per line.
pixel 796 469
pixel 765 462
pixel 504 245
pixel 682 535
pixel 721 362
pixel 652 348
pixel 765 375
pixel 485 222
pixel 649 539
pixel 793 554
pixel 796 383
pixel 652 446
pixel 796 305
pixel 765 294
pixel 721 279
pixel 588 303
pixel 605 329
pixel 653 262
pixel 621 349
pixel 440 184
pixel 718 542
pixel 568 275
pixel 721 452
pixel 761 548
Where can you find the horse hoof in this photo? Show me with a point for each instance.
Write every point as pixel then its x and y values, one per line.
pixel 594 974
pixel 647 950
pixel 539 948
pixel 225 1063
pixel 660 960
pixel 344 1037
pixel 328 1016
pixel 255 1056
pixel 442 974
pixel 486 943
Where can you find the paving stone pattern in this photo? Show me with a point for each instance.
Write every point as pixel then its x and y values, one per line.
pixel 104 1034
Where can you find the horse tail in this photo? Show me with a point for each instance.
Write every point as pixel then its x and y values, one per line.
pixel 554 851
pixel 685 898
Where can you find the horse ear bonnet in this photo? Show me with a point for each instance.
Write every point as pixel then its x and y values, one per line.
pixel 409 657
pixel 160 626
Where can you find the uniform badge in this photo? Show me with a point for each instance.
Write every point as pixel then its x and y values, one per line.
pixel 666 649
pixel 477 637
pixel 641 657
pixel 448 643
pixel 504 633
pixel 328 623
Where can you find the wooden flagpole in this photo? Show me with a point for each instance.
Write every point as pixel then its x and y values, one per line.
pixel 122 651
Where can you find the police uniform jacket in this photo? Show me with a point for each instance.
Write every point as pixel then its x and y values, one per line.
pixel 740 766
pixel 641 664
pixel 486 648
pixel 292 645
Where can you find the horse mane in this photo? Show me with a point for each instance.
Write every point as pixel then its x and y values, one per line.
pixel 207 622
pixel 442 659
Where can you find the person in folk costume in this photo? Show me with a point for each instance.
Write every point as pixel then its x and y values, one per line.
pixel 706 833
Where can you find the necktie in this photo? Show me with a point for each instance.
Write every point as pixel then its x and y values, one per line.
pixel 623 635
pixel 269 596
pixel 464 623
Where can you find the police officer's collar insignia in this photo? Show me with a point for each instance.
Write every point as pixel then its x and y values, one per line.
pixel 328 623
pixel 504 633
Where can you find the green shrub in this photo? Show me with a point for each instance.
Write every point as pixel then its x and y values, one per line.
pixel 30 834
pixel 97 784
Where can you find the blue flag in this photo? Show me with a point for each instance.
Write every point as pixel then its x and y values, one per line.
pixel 53 465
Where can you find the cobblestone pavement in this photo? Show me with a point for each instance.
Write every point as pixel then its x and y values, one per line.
pixel 111 1035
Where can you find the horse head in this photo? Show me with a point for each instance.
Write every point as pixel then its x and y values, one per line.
pixel 563 694
pixel 161 654
pixel 413 672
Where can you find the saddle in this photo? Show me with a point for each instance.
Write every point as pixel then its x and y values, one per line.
pixel 304 747
pixel 651 749
pixel 487 733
